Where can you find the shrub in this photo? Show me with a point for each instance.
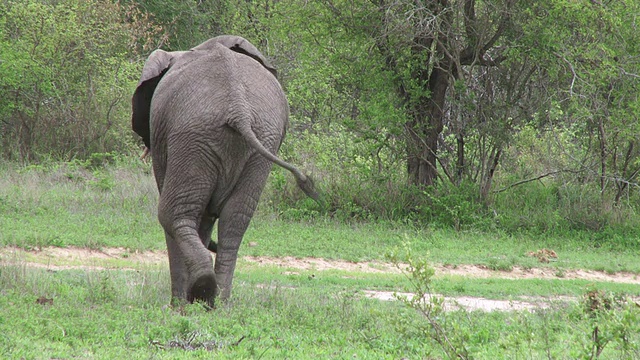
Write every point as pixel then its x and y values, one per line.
pixel 67 69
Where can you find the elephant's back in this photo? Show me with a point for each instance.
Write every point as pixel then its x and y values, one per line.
pixel 198 101
pixel 213 88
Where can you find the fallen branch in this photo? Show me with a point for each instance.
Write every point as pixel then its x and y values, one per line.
pixel 528 180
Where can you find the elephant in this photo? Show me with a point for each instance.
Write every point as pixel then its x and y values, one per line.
pixel 214 118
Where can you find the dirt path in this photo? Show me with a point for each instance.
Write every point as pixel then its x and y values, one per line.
pixel 475 271
pixel 106 258
pixel 119 258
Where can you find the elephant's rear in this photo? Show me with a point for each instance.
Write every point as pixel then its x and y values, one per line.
pixel 197 109
pixel 213 117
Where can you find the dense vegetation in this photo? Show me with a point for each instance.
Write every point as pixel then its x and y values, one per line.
pixel 492 115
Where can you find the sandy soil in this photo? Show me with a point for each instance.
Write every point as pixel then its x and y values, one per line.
pixel 476 271
pixel 69 258
pixel 119 258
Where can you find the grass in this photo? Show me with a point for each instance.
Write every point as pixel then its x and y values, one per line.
pixel 280 313
pixel 109 315
pixel 509 289
pixel 62 205
pixel 336 280
pixel 491 288
pixel 372 241
pixel 113 314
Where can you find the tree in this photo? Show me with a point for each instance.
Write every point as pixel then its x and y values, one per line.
pixel 591 53
pixel 189 23
pixel 426 45
pixel 65 70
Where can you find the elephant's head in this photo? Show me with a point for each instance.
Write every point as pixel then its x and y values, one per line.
pixel 159 62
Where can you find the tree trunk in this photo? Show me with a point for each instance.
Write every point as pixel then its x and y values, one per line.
pixel 424 130
pixel 485 183
pixel 459 158
pixel 624 178
pixel 603 155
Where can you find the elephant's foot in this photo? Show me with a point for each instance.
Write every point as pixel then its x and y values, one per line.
pixel 204 289
pixel 224 286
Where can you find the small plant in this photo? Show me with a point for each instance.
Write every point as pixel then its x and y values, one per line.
pixel 194 341
pixel 456 206
pixel 99 160
pixel 103 181
pixel 102 289
pixel 443 330
pixel 612 319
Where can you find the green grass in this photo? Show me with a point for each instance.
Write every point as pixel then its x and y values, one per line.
pixel 116 314
pixel 509 289
pixel 363 242
pixel 278 313
pixel 67 204
pixel 62 205
pixel 492 288
pixel 336 280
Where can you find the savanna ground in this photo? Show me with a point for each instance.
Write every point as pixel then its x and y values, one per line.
pixel 83 274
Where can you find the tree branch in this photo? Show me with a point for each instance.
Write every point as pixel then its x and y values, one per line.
pixel 474 52
pixel 470 21
pixel 529 180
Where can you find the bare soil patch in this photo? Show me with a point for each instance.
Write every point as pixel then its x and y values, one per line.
pixel 474 271
pixel 53 258
pixel 119 258
pixel 477 303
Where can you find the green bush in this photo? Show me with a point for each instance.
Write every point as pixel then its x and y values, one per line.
pixel 362 182
pixel 355 185
pixel 67 69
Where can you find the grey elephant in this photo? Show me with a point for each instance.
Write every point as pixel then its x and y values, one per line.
pixel 213 117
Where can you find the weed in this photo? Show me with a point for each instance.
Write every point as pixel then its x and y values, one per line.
pixel 102 182
pixel 611 319
pixel 600 320
pixel 420 275
pixel 195 340
pixel 101 287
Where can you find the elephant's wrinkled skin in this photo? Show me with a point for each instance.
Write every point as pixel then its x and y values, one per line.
pixel 214 118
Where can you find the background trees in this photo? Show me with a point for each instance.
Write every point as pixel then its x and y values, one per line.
pixel 466 113
pixel 65 75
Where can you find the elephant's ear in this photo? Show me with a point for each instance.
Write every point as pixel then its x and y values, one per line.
pixel 239 45
pixel 154 69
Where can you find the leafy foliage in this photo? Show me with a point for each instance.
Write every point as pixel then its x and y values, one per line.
pixel 65 74
pixel 540 110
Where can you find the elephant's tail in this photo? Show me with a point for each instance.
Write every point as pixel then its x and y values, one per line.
pixel 304 182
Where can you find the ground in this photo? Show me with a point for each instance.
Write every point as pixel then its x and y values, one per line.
pixel 54 258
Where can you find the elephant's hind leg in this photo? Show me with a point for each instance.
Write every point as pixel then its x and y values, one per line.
pixel 184 196
pixel 234 220
pixel 192 276
pixel 178 270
